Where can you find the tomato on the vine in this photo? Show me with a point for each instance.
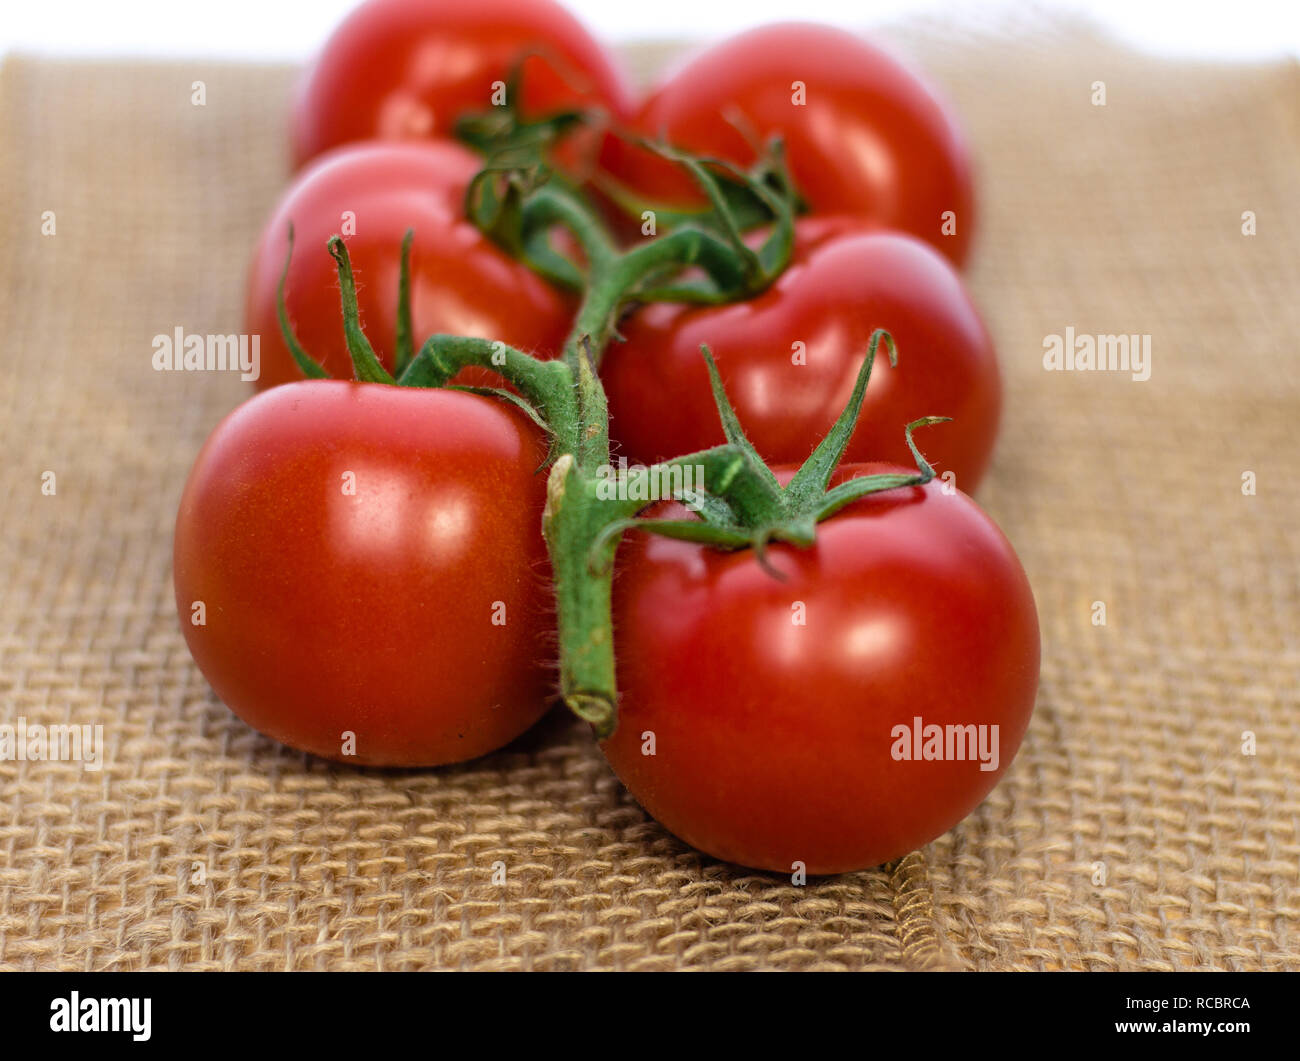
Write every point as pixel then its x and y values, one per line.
pixel 771 721
pixel 461 283
pixel 790 356
pixel 408 69
pixel 354 558
pixel 864 135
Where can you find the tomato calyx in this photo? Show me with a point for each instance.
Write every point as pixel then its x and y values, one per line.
pixel 736 200
pixel 751 508
pixel 504 127
pixel 518 201
pixel 745 204
pixel 541 385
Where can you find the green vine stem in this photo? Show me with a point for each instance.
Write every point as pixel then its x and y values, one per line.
pixel 738 501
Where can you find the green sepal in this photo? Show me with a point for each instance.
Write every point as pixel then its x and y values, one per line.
pixel 852 489
pixel 767 191
pixel 925 421
pixel 307 365
pixel 811 479
pixel 494 203
pixel 500 130
pixel 731 429
pixel 504 395
pixel 687 530
pixel 364 362
pixel 403 347
pixel 503 128
pixel 745 194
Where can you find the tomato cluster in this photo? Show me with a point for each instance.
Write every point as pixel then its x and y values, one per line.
pixel 797 659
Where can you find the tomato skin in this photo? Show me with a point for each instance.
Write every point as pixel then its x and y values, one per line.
pixel 773 740
pixel 461 283
pixel 839 287
pixel 408 69
pixel 370 612
pixel 871 139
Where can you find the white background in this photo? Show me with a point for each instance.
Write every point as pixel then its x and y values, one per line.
pixel 293 29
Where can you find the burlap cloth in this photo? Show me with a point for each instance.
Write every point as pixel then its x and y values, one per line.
pixel 1131 833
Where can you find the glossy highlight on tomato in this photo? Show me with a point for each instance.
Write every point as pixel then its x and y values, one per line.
pixel 864 134
pixel 770 704
pixel 366 560
pixel 408 69
pixel 789 359
pixel 461 283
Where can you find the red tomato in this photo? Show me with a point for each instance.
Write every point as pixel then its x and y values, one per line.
pixel 403 69
pixel 870 137
pixel 837 290
pixel 370 560
pixel 774 704
pixel 461 283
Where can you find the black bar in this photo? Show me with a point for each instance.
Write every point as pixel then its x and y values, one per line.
pixel 375 1011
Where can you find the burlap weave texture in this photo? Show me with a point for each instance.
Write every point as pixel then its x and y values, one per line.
pixel 1131 832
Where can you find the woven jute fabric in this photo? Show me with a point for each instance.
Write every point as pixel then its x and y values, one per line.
pixel 1150 819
